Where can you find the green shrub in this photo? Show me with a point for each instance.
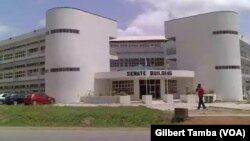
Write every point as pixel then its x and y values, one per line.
pixel 189 92
pixel 123 93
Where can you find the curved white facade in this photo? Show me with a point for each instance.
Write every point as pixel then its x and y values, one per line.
pixel 77 46
pixel 209 45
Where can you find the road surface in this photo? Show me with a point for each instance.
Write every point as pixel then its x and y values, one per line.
pixel 75 134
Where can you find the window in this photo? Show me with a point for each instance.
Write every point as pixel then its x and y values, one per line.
pixel 7 68
pixel 132 62
pixel 126 86
pixel 8 56
pixel 42 48
pixel 114 63
pixel 226 67
pixel 170 86
pixel 42 63
pixel 33 50
pixel 159 62
pixel 8 75
pixel 19 86
pixel 19 74
pixel 34 85
pixel 65 31
pixel 19 66
pixel 32 72
pixel 20 54
pixel 33 64
pixel 225 32
pixel 64 69
pixel 42 72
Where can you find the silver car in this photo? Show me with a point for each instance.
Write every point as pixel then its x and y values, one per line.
pixel 2 97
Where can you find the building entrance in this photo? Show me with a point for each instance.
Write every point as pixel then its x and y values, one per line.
pixel 150 87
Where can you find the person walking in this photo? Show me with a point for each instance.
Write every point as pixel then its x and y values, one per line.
pixel 200 92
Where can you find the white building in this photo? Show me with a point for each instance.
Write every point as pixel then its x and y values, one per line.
pixel 78 54
pixel 140 60
pixel 207 44
pixel 60 59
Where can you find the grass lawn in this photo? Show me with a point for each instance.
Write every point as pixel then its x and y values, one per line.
pixel 52 116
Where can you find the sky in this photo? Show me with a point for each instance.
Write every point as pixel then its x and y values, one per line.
pixel 134 17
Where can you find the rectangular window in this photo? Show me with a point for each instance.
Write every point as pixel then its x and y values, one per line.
pixel 8 56
pixel 65 31
pixel 225 32
pixel 19 74
pixel 20 54
pixel 126 86
pixel 226 67
pixel 42 48
pixel 33 50
pixel 8 75
pixel 170 86
pixel 33 72
pixel 64 69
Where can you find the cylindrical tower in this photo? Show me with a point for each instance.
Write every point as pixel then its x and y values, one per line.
pixel 226 48
pixel 209 45
pixel 77 46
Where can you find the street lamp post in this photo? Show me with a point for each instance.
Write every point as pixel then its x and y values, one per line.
pixel 165 64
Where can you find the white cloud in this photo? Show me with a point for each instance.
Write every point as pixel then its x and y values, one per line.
pixel 155 12
pixel 4 29
pixel 8 31
pixel 42 23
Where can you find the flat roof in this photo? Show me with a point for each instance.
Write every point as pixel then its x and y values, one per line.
pixel 139 38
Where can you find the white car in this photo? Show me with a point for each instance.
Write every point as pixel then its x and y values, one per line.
pixel 2 97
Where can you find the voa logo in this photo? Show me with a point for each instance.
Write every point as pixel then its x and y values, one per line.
pixel 231 132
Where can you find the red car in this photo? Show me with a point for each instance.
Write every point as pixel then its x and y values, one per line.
pixel 38 98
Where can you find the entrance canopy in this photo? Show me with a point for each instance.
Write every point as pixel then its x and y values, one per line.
pixel 140 82
pixel 145 73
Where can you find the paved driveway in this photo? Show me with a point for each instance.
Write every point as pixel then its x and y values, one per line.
pixel 76 134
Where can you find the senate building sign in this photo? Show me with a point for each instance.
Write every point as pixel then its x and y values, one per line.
pixel 150 73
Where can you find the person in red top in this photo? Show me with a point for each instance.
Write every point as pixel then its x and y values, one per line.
pixel 200 92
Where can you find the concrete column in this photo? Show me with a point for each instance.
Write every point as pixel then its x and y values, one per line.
pixel 102 87
pixel 136 95
pixel 162 87
pixel 243 89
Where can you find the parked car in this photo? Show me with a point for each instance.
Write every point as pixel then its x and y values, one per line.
pixel 2 97
pixel 14 98
pixel 38 98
